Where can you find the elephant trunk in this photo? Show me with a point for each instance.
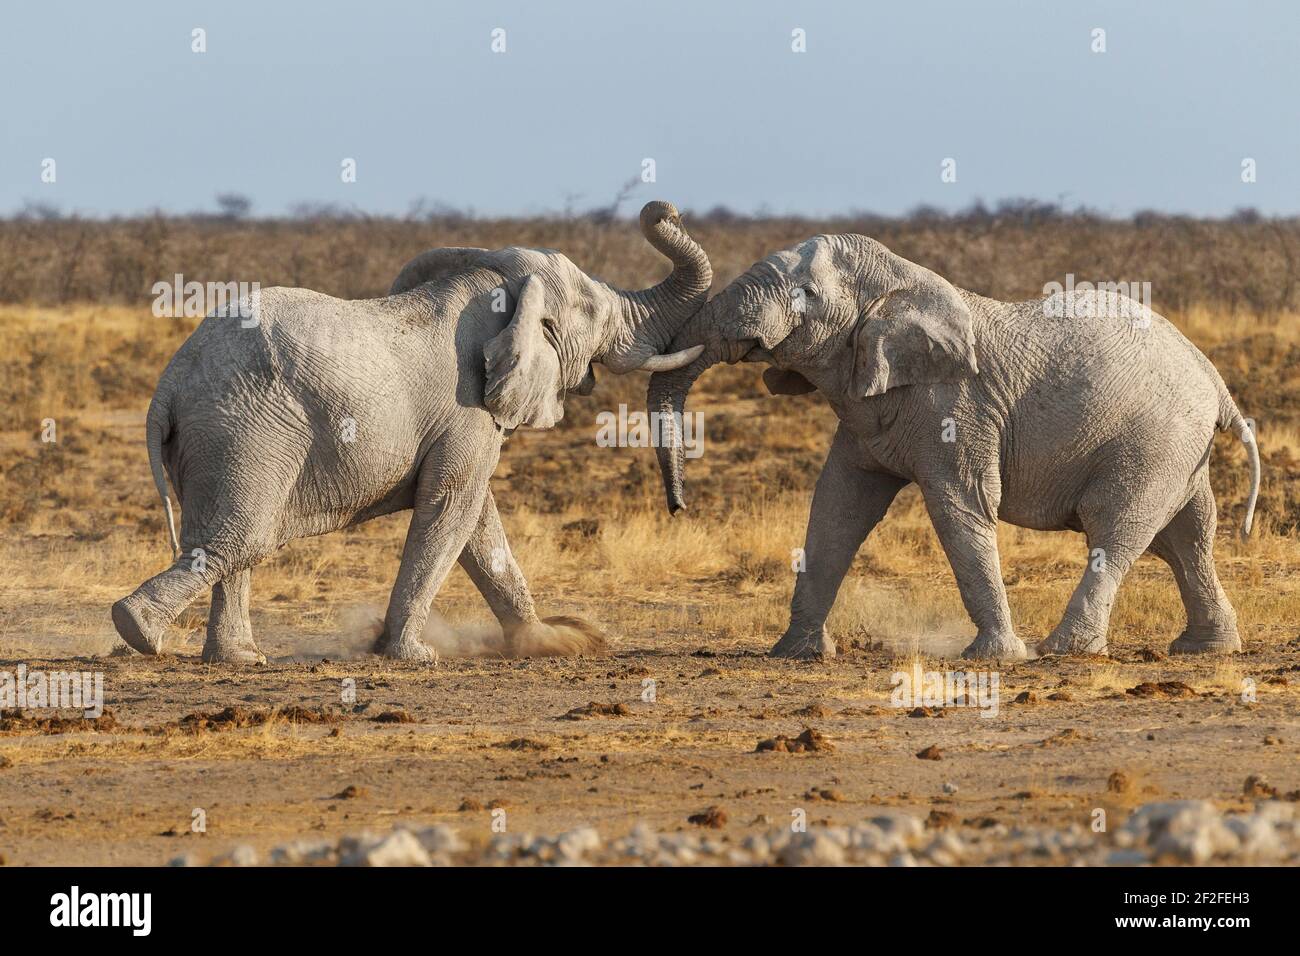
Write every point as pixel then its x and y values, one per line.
pixel 651 317
pixel 666 400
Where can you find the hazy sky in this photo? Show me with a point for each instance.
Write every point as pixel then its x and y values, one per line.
pixel 710 90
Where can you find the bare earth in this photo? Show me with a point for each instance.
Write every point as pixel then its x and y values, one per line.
pixel 494 734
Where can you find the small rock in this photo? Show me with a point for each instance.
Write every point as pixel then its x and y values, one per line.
pixel 242 855
pixel 575 844
pixel 399 848
pixel 808 741
pixel 925 712
pixel 596 709
pixel 811 849
pixel 302 852
pixel 939 819
pixel 1168 688
pixel 1258 788
pixel 821 793
pixel 715 818
pixel 439 839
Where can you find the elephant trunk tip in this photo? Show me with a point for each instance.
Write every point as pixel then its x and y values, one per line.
pixel 657 211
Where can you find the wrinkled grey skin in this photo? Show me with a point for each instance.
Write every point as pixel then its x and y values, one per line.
pixel 1101 425
pixel 327 413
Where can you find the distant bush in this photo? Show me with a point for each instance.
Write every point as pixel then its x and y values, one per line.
pixel 1009 250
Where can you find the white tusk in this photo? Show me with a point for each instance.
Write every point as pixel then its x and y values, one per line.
pixel 674 360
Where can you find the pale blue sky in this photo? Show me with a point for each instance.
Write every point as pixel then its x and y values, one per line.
pixel 708 88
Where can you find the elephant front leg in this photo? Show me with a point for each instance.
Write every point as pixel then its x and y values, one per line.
pixel 847 503
pixel 491 566
pixel 970 540
pixel 230 632
pixel 446 512
pixel 488 561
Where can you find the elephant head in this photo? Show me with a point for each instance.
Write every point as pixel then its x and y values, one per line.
pixel 562 320
pixel 841 314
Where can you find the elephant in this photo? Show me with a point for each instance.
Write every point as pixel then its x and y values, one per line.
pixel 1083 411
pixel 308 414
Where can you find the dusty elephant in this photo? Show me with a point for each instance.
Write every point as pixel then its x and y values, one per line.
pixel 307 414
pixel 1084 411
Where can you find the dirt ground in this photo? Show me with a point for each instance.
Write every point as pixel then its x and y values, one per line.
pixel 690 605
pixel 523 736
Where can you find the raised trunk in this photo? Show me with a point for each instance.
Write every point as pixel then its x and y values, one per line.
pixel 666 399
pixel 651 317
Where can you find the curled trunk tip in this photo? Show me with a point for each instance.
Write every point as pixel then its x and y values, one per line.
pixel 657 211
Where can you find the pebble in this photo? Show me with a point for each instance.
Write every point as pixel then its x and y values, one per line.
pixel 399 848
pixel 1185 831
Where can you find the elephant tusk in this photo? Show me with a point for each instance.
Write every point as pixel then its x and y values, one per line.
pixel 672 361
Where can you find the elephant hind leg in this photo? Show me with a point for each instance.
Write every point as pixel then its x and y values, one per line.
pixel 1186 544
pixel 141 618
pixel 230 632
pixel 1117 535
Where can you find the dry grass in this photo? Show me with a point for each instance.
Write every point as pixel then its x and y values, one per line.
pixel 81 524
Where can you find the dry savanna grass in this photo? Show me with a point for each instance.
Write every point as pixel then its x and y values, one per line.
pixel 83 526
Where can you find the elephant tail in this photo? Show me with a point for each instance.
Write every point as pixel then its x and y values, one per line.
pixel 158 426
pixel 1231 419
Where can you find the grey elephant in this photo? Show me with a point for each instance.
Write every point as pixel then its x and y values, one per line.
pixel 306 414
pixel 1086 412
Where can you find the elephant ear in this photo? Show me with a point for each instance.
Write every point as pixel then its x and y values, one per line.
pixel 523 385
pixel 921 334
pixel 781 381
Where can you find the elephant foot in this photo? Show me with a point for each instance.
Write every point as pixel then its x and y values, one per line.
pixel 996 646
pixel 232 654
pixel 555 637
pixel 802 646
pixel 409 649
pixel 1064 642
pixel 139 625
pixel 1206 639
